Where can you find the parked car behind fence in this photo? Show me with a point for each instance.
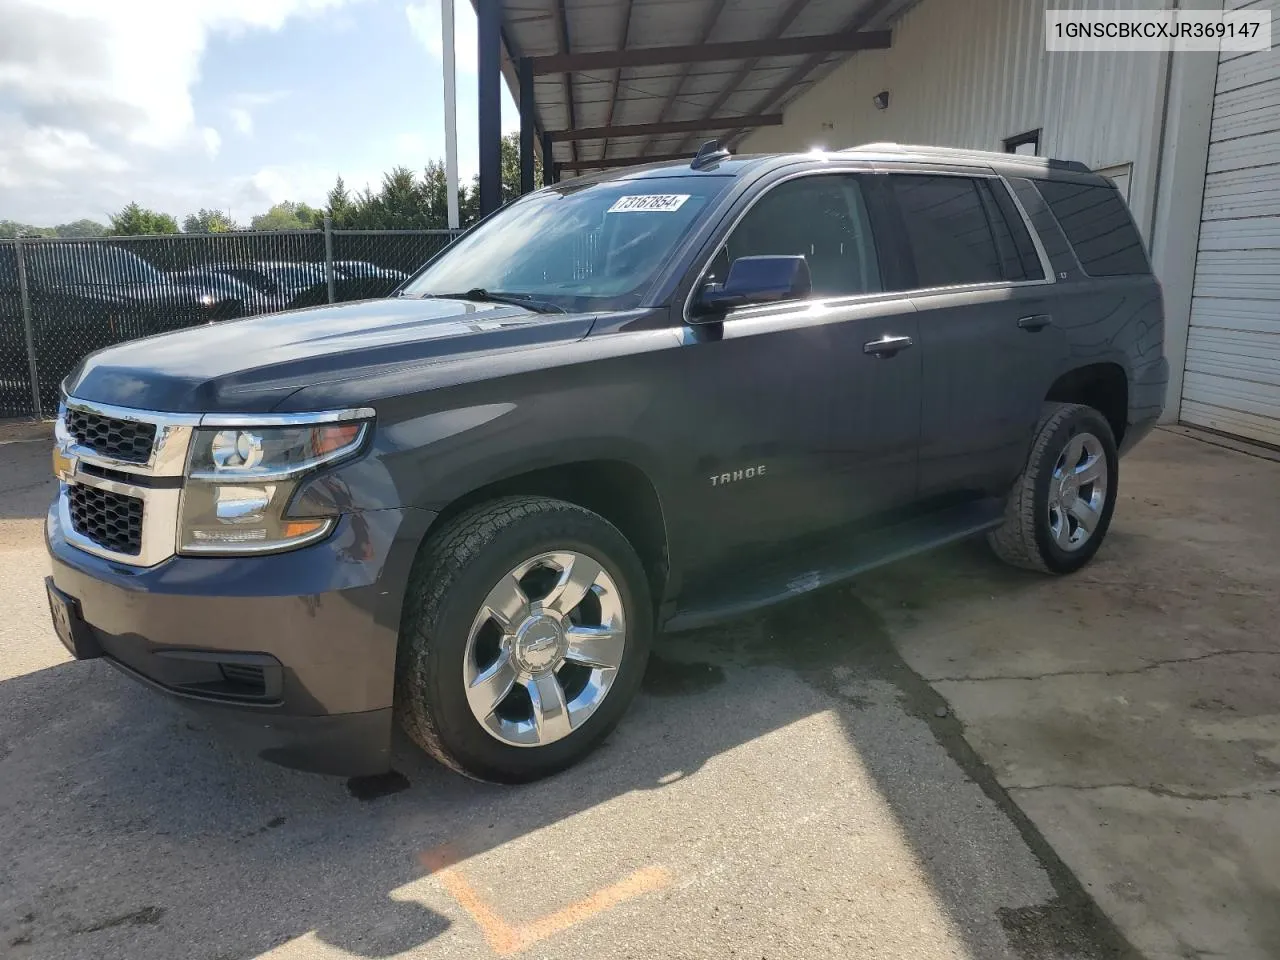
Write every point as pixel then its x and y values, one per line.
pixel 82 295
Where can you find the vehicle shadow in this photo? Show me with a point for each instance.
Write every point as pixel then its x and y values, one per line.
pixel 135 832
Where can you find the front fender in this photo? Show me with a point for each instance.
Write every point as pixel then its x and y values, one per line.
pixel 431 460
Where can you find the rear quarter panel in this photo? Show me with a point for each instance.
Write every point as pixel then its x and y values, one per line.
pixel 1105 319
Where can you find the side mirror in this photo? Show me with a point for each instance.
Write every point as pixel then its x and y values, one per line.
pixel 755 280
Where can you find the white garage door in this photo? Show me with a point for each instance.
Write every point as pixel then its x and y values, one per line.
pixel 1232 380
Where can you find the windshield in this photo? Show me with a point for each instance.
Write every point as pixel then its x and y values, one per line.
pixel 588 248
pixel 94 263
pixel 294 274
pixel 254 278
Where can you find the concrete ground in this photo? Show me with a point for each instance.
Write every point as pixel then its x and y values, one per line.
pixel 1132 711
pixel 919 765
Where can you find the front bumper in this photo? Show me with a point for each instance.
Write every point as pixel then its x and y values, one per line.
pixel 291 653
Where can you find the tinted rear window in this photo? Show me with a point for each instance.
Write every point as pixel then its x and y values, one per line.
pixel 949 231
pixel 1097 222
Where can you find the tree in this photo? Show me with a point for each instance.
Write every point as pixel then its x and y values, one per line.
pixel 69 231
pixel 135 221
pixel 511 167
pixel 407 201
pixel 337 205
pixel 9 229
pixel 402 203
pixel 208 221
pixel 287 216
pixel 80 229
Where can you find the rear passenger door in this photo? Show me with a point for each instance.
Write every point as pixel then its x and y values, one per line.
pixel 990 348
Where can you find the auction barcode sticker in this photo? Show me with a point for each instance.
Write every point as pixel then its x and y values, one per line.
pixel 650 203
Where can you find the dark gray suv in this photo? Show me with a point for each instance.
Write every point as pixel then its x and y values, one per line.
pixel 649 400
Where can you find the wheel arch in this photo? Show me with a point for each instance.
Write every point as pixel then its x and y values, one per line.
pixel 616 489
pixel 1103 386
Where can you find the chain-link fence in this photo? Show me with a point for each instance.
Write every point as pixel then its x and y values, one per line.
pixel 63 299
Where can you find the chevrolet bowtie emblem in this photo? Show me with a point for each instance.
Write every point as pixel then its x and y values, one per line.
pixel 64 465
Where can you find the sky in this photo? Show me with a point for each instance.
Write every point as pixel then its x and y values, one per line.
pixel 222 104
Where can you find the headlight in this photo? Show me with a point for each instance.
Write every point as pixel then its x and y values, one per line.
pixel 240 481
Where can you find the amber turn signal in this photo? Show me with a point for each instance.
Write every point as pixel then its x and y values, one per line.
pixel 327 439
pixel 301 528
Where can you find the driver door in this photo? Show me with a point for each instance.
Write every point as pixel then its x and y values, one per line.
pixel 797 428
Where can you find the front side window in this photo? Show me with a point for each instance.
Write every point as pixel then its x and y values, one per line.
pixel 593 247
pixel 949 230
pixel 822 218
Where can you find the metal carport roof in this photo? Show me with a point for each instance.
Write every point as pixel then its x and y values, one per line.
pixel 618 81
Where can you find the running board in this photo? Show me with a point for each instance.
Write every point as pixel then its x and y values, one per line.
pixel 832 564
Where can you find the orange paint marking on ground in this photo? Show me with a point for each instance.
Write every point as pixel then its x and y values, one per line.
pixel 503 939
pixel 506 939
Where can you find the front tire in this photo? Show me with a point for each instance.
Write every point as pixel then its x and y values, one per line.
pixel 525 634
pixel 1059 510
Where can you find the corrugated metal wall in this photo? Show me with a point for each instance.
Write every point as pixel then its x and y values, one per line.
pixel 1232 380
pixel 974 73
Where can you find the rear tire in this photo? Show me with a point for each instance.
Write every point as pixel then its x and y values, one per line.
pixel 1059 509
pixel 526 630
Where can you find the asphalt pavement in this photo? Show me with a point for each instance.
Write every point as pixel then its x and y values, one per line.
pixel 785 787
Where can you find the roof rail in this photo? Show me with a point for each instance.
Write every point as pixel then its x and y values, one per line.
pixel 891 147
pixel 963 153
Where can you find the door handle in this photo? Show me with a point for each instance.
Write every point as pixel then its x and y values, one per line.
pixel 1035 323
pixel 887 346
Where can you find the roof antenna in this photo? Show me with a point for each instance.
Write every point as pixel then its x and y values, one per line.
pixel 709 153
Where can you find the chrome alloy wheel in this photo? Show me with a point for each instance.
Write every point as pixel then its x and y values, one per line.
pixel 544 649
pixel 1077 492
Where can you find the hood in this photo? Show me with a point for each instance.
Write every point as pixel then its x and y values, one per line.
pixel 160 292
pixel 251 365
pixel 212 282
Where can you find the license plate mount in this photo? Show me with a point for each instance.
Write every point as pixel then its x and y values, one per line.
pixel 70 626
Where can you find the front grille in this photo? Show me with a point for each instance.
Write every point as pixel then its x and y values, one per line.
pixel 111 520
pixel 124 440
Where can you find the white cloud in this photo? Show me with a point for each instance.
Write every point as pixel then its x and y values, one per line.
pixel 212 141
pixel 268 186
pixel 262 98
pixel 93 85
pixel 424 21
pixel 32 157
pixel 241 120
pixel 244 105
pixel 126 67
pixel 273 184
pixel 61 150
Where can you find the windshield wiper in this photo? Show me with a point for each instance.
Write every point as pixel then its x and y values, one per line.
pixel 481 295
